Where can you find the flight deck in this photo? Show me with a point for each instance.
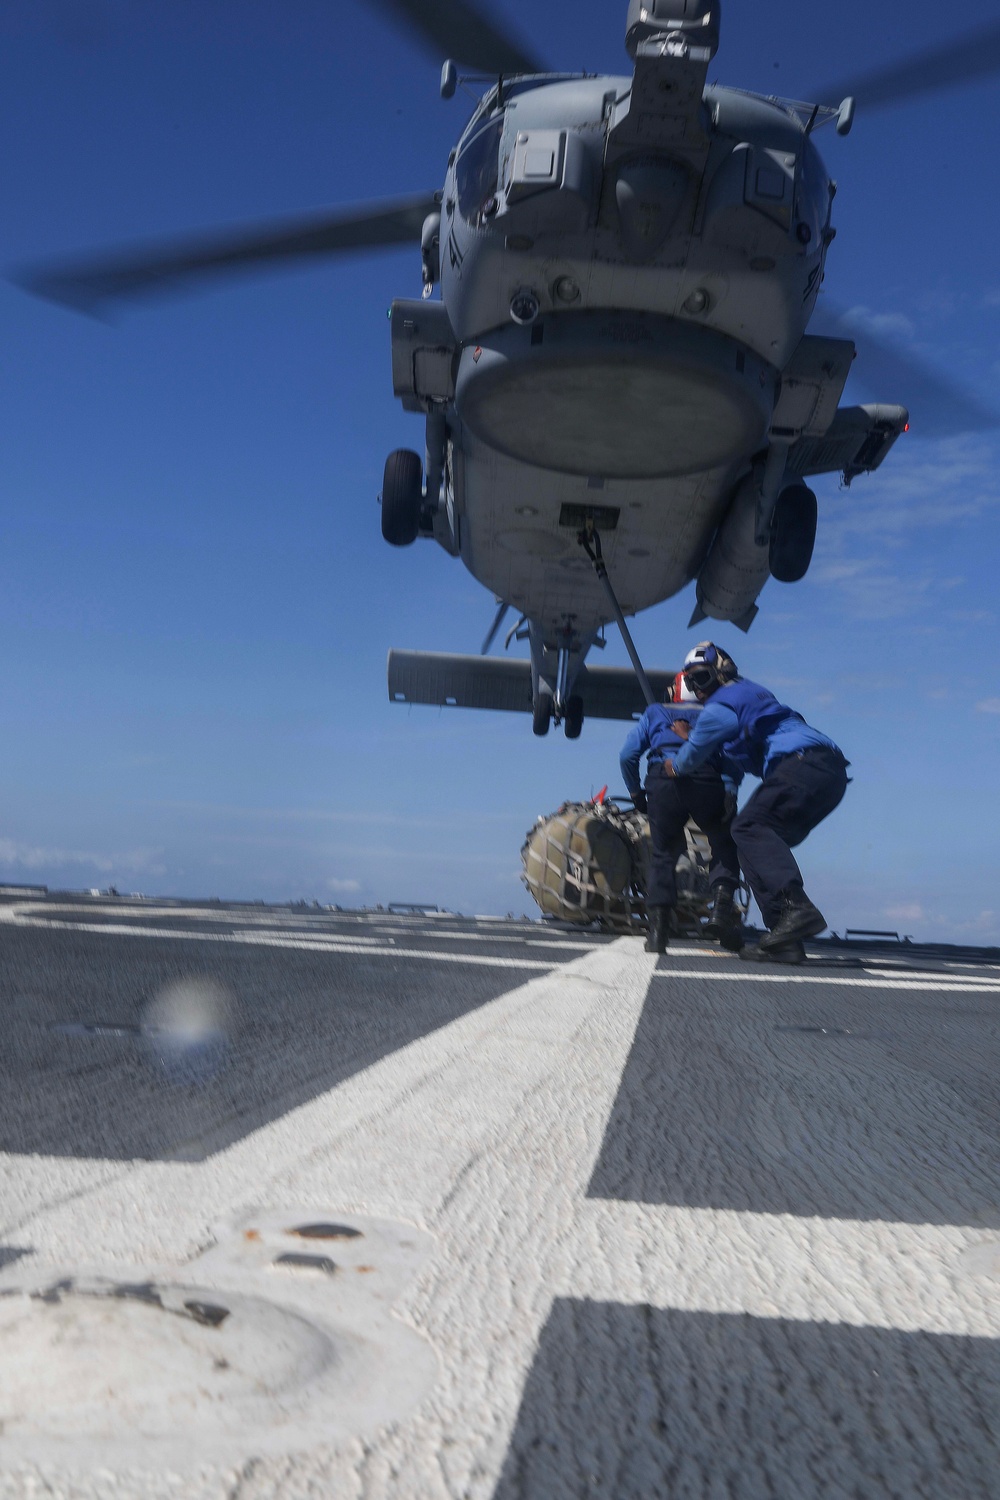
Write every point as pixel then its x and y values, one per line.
pixel 300 1202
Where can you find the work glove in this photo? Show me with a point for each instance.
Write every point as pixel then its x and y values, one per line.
pixel 639 802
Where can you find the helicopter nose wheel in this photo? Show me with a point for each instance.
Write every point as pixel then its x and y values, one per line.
pixel 793 534
pixel 541 714
pixel 402 497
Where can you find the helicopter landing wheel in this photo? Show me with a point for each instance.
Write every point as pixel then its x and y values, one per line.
pixel 793 534
pixel 541 714
pixel 573 717
pixel 402 497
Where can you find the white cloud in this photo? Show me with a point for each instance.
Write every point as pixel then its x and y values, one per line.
pixel 895 325
pixel 345 816
pixel 870 535
pixel 988 706
pixel 953 479
pixel 38 858
pixel 910 911
pixel 866 593
pixel 345 887
pixel 984 924
pixel 912 914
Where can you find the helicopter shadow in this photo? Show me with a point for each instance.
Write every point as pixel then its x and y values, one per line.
pixel 630 1402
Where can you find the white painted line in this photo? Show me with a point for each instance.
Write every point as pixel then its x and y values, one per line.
pixel 318 925
pixel 867 1273
pixel 485 1132
pixel 748 975
pixel 251 916
pixel 532 941
pixel 684 953
pixel 278 940
pixel 965 978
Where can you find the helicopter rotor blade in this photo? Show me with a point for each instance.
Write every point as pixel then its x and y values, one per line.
pixel 87 285
pixel 460 30
pixel 938 407
pixel 975 56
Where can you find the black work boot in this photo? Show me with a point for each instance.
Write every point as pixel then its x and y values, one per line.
pixel 656 940
pixel 786 953
pixel 725 924
pixel 799 919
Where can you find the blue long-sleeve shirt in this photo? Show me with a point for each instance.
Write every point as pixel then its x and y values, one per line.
pixel 654 736
pixel 718 729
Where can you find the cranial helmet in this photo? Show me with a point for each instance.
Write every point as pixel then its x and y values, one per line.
pixel 679 692
pixel 707 665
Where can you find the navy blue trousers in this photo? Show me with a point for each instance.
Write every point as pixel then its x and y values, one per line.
pixel 796 795
pixel 672 800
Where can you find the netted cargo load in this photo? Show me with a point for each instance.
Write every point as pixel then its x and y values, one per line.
pixel 589 862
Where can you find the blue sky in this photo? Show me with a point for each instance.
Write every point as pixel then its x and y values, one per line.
pixel 195 599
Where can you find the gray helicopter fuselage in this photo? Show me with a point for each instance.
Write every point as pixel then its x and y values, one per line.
pixel 742 249
pixel 672 267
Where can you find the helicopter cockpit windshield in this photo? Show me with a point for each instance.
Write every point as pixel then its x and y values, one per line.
pixel 477 170
pixel 812 196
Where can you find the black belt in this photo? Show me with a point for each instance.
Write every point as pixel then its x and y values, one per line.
pixel 703 772
pixel 830 751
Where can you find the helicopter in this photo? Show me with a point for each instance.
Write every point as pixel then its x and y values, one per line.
pixel 618 277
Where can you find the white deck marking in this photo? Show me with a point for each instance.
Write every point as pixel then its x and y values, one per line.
pixel 305 923
pixel 487 1132
pixel 533 937
pixel 319 944
pixel 869 1273
pixel 750 976
pixel 969 976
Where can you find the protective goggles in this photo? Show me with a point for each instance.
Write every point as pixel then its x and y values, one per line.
pixel 700 677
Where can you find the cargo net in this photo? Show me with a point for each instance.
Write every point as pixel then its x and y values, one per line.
pixel 588 863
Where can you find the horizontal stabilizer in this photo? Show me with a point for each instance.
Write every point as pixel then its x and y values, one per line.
pixel 856 442
pixel 484 682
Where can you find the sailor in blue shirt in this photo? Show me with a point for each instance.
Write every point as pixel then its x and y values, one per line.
pixel 701 796
pixel 804 777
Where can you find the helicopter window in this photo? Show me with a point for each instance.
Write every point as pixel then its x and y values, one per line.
pixel 812 193
pixel 477 171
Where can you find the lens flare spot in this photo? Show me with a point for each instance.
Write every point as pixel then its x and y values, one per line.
pixel 186 1028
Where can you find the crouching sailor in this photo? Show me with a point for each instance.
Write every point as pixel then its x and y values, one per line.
pixel 704 795
pixel 803 778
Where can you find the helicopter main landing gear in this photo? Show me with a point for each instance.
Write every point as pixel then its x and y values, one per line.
pixel 402 497
pixel 793 533
pixel 544 712
pixel 573 717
